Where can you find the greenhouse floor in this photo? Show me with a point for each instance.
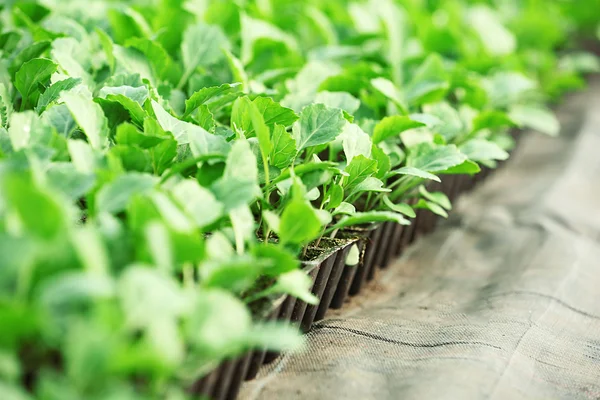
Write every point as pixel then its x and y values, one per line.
pixel 501 302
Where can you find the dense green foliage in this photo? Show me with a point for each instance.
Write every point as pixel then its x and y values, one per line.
pixel 149 148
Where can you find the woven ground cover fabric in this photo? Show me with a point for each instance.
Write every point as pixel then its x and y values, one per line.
pixel 502 302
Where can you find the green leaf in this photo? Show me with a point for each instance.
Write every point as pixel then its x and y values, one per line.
pixel 492 119
pixel 263 135
pixel 114 196
pixel 137 94
pixel 412 171
pixel 297 284
pixel 39 213
pixel 201 46
pixel 89 117
pixel 391 92
pixel 34 50
pixel 430 82
pixel 201 142
pixel 281 260
pixel 253 29
pixel 436 197
pixel 342 100
pixel 31 76
pixel 384 163
pixel 467 167
pixel 68 180
pixel 370 184
pixel 435 159
pixel 274 113
pixel 402 208
pixel 433 207
pixel 204 96
pixel 299 223
pixel 358 170
pixel 239 183
pixel 199 203
pixel 497 40
pixel 284 147
pixel 362 218
pixel 535 117
pixel 393 126
pixel 54 91
pixel 162 64
pixel 237 70
pixel 219 325
pixel 481 150
pixel 355 142
pixel 234 275
pixel 317 125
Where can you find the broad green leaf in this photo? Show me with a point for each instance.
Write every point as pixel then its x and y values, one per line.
pixel 68 53
pixel 299 223
pixel 370 184
pixel 430 82
pixel 497 40
pixel 199 203
pixel 40 214
pixel 172 215
pixel 402 208
pixel 317 125
pixel 492 119
pixel 390 91
pixel 219 325
pixel 535 117
pixel 393 126
pixel 239 183
pixel 355 142
pixel 89 117
pixel 467 167
pixel 53 93
pixel 435 159
pixel 344 209
pixel 297 284
pixel 412 171
pixel 274 113
pixel 335 196
pixel 137 94
pixel 358 170
pixel 384 163
pixel 362 218
pixel 30 52
pixel 201 142
pixel 284 147
pixel 201 46
pixel 149 296
pixel 253 29
pixel 31 76
pixel 237 70
pixel 483 150
pixel 204 95
pixel 341 100
pixel 82 156
pixel 161 62
pixel 436 197
pixel 65 178
pixel 114 196
pixel 433 207
pixel 27 129
pixel 234 275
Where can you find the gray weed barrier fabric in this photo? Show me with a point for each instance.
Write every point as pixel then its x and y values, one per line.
pixel 501 302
